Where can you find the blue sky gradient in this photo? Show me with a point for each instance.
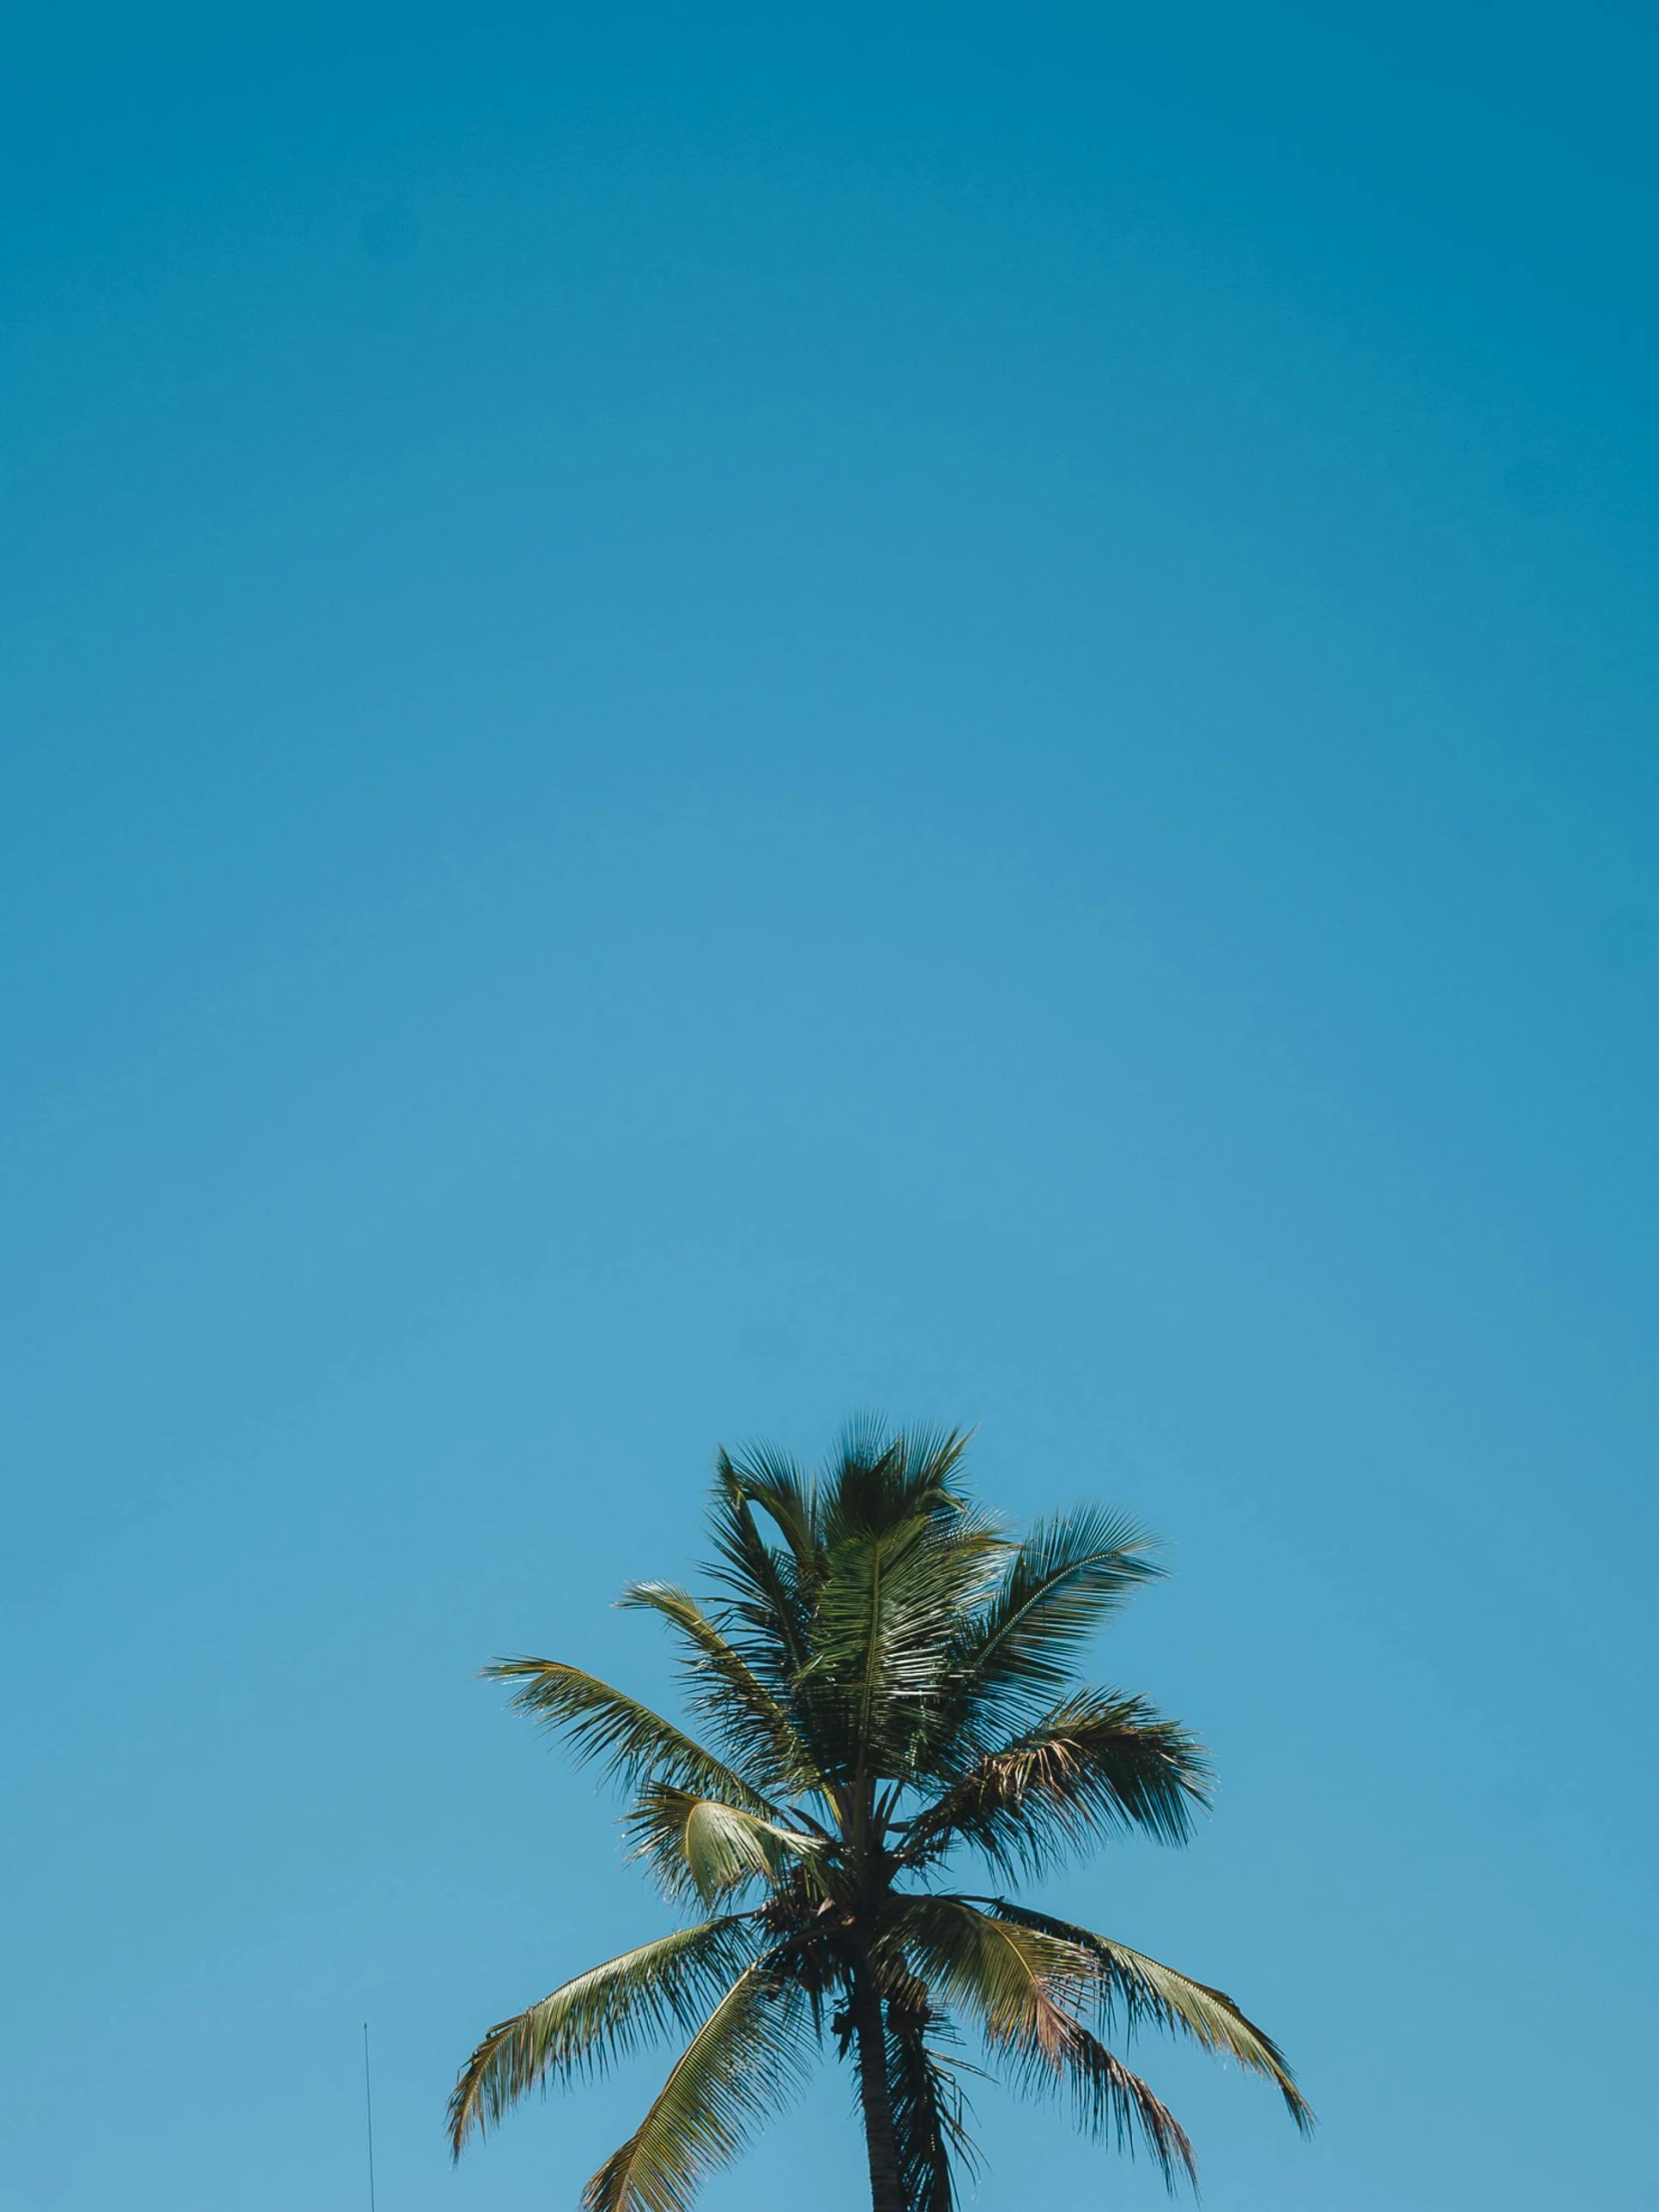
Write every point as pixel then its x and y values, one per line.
pixel 714 714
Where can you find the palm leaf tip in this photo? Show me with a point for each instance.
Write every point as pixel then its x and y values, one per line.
pixel 1111 2101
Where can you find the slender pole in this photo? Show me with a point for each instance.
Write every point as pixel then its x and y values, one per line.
pixel 368 2110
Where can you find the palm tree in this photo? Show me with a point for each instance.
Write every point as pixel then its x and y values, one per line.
pixel 887 1681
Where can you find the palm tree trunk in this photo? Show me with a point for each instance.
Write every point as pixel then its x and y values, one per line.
pixel 886 2190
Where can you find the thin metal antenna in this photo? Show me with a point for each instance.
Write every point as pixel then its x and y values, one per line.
pixel 368 2111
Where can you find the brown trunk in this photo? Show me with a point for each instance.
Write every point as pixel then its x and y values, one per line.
pixel 886 2190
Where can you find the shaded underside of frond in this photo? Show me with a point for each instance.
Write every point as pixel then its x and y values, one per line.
pixel 925 2098
pixel 1097 1764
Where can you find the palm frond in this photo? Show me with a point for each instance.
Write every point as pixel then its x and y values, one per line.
pixel 744 2060
pixel 1142 1991
pixel 700 1847
pixel 751 1720
pixel 627 1738
pixel 1110 2100
pixel 599 2015
pixel 770 1590
pixel 1097 1764
pixel 767 1477
pixel 1025 1988
pixel 880 1634
pixel 1018 1982
pixel 1020 1651
pixel 927 2100
pixel 882 1478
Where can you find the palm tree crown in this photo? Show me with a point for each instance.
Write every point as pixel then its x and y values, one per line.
pixel 886 1681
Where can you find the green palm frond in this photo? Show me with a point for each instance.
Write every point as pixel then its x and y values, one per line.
pixel 883 1478
pixel 750 1718
pixel 600 2015
pixel 700 1847
pixel 926 2099
pixel 768 1591
pixel 744 2060
pixel 1097 1764
pixel 785 1493
pixel 863 1438
pixel 882 1632
pixel 1026 1987
pixel 1022 1651
pixel 627 1738
pixel 1142 1991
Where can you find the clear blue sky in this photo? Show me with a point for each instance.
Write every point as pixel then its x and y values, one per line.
pixel 715 714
